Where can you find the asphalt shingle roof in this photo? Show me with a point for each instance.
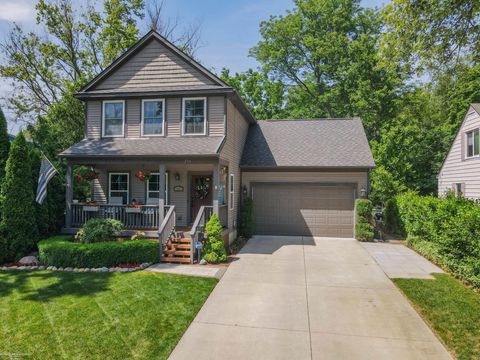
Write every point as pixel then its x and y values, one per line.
pixel 156 146
pixel 307 143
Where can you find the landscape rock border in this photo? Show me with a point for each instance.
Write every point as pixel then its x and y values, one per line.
pixel 71 269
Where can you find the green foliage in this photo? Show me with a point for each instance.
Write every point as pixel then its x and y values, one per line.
pixel 393 222
pixel 247 220
pixel 60 251
pixel 384 186
pixel 450 225
pixel 214 249
pixel 99 230
pixel 364 230
pixel 4 145
pixel 18 227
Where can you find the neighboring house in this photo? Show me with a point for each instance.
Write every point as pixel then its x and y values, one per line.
pixel 156 110
pixel 460 171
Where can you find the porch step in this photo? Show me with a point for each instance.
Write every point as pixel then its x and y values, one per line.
pixel 181 240
pixel 177 252
pixel 182 246
pixel 175 259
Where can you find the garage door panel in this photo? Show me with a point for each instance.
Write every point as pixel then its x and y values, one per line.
pixel 303 209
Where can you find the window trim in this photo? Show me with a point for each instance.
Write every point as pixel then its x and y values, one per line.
pixel 110 184
pixel 142 119
pixel 103 118
pixel 473 140
pixel 167 193
pixel 231 191
pixel 204 98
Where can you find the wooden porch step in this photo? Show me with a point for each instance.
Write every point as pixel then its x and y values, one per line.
pixel 177 252
pixel 182 246
pixel 175 259
pixel 181 240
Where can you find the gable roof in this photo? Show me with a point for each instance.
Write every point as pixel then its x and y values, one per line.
pixel 140 44
pixel 476 108
pixel 322 143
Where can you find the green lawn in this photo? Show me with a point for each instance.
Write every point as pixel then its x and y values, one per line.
pixel 58 315
pixel 452 309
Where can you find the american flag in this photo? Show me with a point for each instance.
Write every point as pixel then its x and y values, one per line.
pixel 47 171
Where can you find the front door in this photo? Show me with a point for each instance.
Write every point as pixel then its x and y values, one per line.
pixel 200 194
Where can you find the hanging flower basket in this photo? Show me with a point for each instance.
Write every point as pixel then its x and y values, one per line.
pixel 143 175
pixel 88 175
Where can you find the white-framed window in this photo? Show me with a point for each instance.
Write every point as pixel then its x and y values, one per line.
pixel 459 189
pixel 231 192
pixel 153 187
pixel 118 186
pixel 194 118
pixel 113 118
pixel 153 117
pixel 473 143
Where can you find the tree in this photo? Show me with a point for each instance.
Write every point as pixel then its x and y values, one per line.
pixel 214 249
pixel 433 35
pixel 18 228
pixel 265 98
pixel 326 53
pixel 4 145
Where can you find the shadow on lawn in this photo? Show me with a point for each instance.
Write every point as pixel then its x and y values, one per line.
pixel 45 286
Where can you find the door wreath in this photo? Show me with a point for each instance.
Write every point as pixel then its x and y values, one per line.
pixel 201 188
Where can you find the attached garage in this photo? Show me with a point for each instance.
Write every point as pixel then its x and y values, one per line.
pixel 303 209
pixel 304 175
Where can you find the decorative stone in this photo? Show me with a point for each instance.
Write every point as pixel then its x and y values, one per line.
pixel 203 262
pixel 14 267
pixel 22 267
pixel 104 269
pixel 87 269
pixel 111 270
pixel 3 268
pixel 81 270
pixel 49 267
pixel 69 269
pixel 41 267
pixel 34 267
pixel 76 269
pixel 27 260
pixel 60 269
pixel 54 268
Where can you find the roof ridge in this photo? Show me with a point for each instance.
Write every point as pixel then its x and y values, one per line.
pixel 311 119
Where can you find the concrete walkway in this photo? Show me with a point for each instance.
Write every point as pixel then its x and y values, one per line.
pixel 398 261
pixel 305 298
pixel 189 270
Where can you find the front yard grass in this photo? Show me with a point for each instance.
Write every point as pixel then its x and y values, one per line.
pixel 451 308
pixel 58 315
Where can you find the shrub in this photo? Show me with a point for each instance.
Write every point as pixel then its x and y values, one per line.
pixel 445 230
pixel 61 251
pixel 393 223
pixel 99 230
pixel 364 231
pixel 139 235
pixel 19 232
pixel 247 222
pixel 214 249
pixel 363 227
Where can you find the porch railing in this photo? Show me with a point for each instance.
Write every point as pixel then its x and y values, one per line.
pixel 198 228
pixel 166 227
pixel 144 217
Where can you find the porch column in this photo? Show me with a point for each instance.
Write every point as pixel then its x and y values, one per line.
pixel 161 196
pixel 216 188
pixel 69 196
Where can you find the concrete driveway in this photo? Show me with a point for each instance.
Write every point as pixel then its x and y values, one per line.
pixel 306 298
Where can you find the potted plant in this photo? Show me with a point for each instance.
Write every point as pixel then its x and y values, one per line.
pixel 143 175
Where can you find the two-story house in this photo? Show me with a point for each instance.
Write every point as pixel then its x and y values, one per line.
pixel 172 143
pixel 460 171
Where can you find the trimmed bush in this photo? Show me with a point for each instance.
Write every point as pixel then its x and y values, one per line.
pixel 99 230
pixel 214 249
pixel 247 222
pixel 61 251
pixel 393 223
pixel 363 227
pixel 445 230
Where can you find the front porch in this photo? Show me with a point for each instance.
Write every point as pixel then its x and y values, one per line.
pixel 166 200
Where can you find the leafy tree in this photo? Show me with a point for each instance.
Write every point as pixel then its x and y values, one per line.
pixel 265 98
pixel 214 249
pixel 432 34
pixel 18 228
pixel 4 145
pixel 326 52
pixel 384 186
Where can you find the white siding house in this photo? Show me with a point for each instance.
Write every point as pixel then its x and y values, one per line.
pixel 460 171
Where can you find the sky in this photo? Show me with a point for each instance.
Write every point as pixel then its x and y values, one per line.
pixel 228 28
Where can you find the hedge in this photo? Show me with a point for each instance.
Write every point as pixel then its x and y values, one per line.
pixel 363 227
pixel 61 251
pixel 445 230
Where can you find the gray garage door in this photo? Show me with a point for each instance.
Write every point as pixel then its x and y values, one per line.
pixel 303 209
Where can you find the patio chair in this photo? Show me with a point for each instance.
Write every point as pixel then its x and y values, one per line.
pixel 114 212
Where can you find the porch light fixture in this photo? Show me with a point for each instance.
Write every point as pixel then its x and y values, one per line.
pixel 177 176
pixel 363 192
pixel 244 190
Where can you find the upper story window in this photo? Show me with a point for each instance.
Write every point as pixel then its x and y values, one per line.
pixel 153 116
pixel 473 143
pixel 194 116
pixel 113 118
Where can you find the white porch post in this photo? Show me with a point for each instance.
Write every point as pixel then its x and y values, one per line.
pixel 69 196
pixel 161 196
pixel 216 188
